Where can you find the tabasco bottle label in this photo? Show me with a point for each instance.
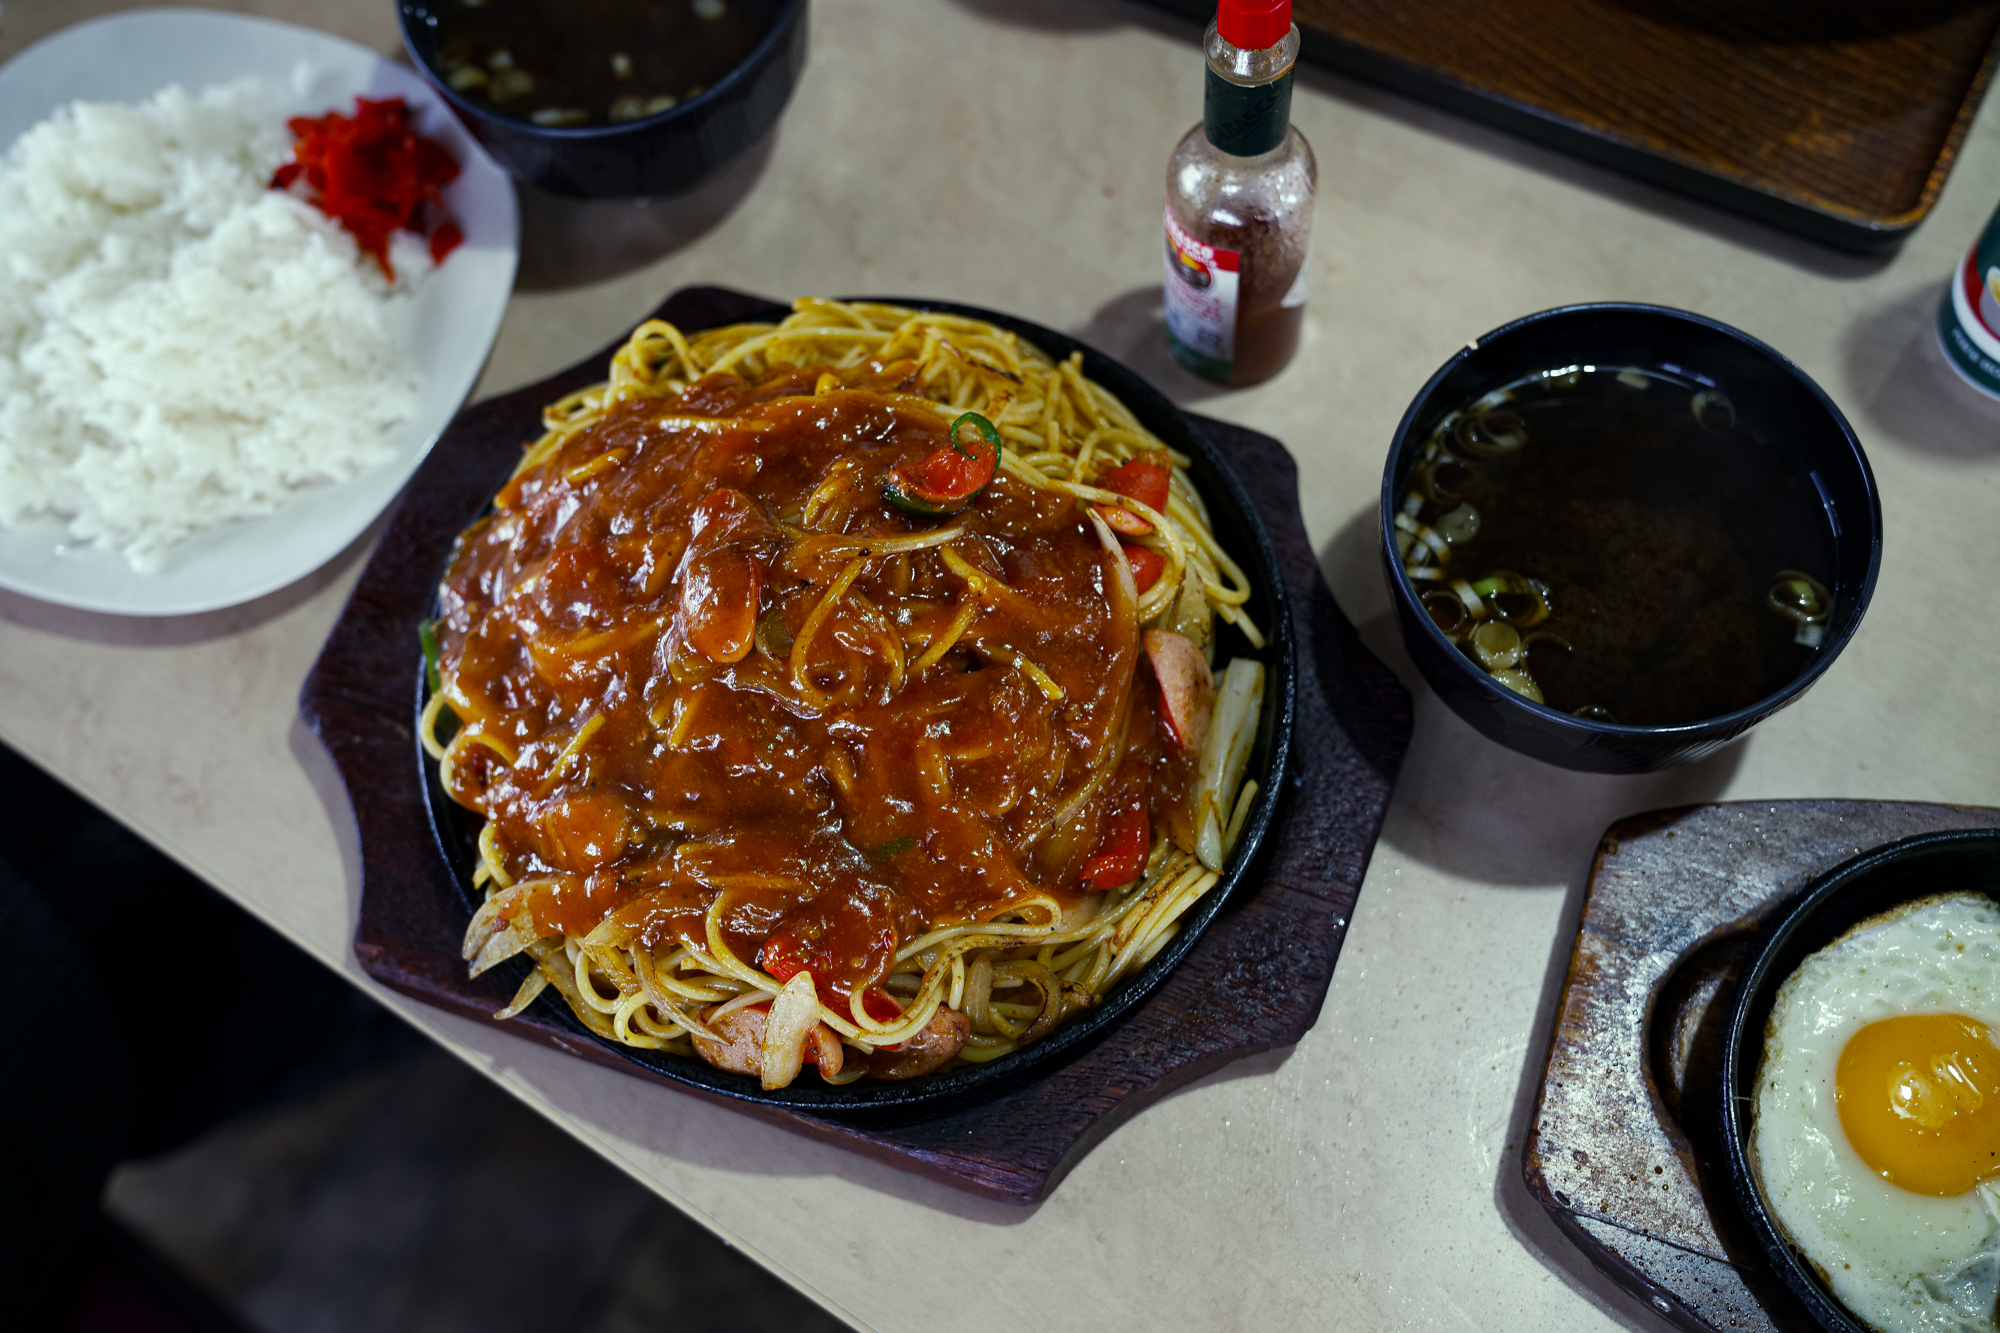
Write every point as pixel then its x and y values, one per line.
pixel 1200 288
pixel 1969 316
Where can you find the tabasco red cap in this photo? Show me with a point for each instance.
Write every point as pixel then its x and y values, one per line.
pixel 1253 24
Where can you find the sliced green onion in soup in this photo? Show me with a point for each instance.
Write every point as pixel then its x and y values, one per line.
pixel 1427 479
pixel 1446 612
pixel 1458 526
pixel 1713 411
pixel 1518 681
pixel 1466 593
pixel 1804 600
pixel 1490 434
pixel 1497 645
pixel 1519 601
pixel 1427 535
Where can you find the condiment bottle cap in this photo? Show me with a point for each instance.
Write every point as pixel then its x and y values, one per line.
pixel 1253 24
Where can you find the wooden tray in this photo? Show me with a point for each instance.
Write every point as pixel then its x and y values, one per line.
pixel 1254 981
pixel 1625 1147
pixel 1840 119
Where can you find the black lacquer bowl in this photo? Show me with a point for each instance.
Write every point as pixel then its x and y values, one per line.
pixel 1957 862
pixel 1764 386
pixel 1237 526
pixel 661 155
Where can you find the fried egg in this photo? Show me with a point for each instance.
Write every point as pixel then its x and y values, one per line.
pixel 1876 1115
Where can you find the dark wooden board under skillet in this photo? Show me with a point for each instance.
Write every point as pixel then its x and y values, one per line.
pixel 1253 981
pixel 1625 1149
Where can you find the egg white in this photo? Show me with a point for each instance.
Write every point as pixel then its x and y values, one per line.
pixel 1898 1260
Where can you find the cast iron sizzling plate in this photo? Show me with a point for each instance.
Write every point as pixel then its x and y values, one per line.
pixel 1240 531
pixel 1965 860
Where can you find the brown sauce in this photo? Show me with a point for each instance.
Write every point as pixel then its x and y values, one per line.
pixel 1267 333
pixel 593 62
pixel 649 780
pixel 1658 537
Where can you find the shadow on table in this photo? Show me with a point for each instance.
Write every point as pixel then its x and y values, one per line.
pixel 576 242
pixel 1918 402
pixel 175 631
pixel 1508 820
pixel 1469 806
pixel 1475 809
pixel 712 1137
pixel 1131 327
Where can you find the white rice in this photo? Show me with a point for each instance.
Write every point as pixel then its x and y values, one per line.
pixel 181 346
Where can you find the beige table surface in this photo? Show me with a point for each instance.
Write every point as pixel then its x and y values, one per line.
pixel 1011 154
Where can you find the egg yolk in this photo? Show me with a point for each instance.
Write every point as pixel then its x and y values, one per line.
pixel 1919 1099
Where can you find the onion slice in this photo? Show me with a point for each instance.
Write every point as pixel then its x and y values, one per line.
pixel 1227 756
pixel 793 1015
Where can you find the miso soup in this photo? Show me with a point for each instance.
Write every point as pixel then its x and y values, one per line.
pixel 593 62
pixel 1620 544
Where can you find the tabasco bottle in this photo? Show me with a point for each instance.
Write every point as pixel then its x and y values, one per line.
pixel 1968 320
pixel 1239 204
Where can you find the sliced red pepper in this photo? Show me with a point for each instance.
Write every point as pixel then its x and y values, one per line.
pixel 1146 480
pixel 1147 565
pixel 783 956
pixel 1121 851
pixel 946 479
pixel 445 240
pixel 372 173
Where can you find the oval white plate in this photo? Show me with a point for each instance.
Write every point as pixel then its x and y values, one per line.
pixel 445 333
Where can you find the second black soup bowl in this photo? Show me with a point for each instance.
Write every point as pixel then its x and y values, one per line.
pixel 1765 387
pixel 665 154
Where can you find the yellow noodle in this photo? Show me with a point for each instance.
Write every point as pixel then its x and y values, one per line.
pixel 818 617
pixel 942 644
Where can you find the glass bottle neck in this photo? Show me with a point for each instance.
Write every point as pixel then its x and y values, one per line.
pixel 1247 99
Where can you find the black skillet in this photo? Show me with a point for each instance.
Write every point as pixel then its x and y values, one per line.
pixel 1241 532
pixel 1963 861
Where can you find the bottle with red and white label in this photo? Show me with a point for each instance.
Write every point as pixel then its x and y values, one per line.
pixel 1969 316
pixel 1239 204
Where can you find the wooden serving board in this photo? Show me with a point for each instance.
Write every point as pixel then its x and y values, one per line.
pixel 1625 1146
pixel 1255 980
pixel 1840 119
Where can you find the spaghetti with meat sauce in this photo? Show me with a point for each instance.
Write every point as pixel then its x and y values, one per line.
pixel 837 692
